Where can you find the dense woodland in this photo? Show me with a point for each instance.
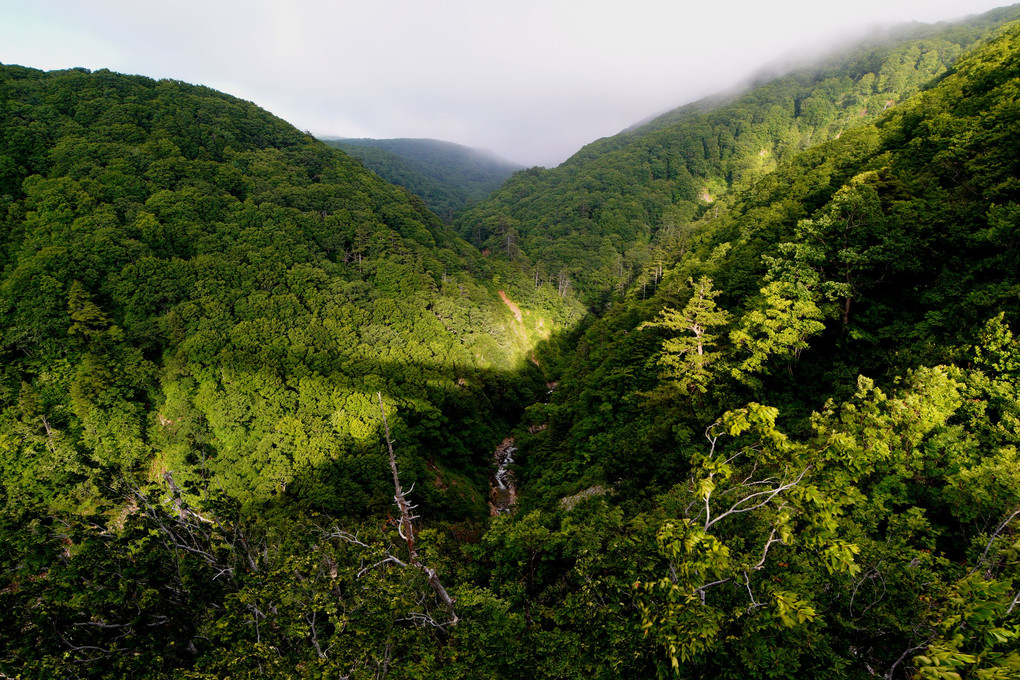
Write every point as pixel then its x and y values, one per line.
pixel 600 221
pixel 251 392
pixel 448 177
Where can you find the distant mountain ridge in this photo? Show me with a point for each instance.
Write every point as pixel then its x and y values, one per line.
pixel 448 177
pixel 204 233
pixel 593 222
pixel 784 443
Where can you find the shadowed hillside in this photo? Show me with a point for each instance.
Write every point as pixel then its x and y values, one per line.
pixel 252 397
pixel 448 177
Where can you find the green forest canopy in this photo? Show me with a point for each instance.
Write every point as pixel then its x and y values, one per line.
pixel 790 450
pixel 448 177
pixel 601 220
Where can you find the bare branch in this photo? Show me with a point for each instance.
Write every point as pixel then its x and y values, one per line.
pixel 315 638
pixel 768 544
pixel 100 624
pixel 872 574
pixel 349 537
pixel 995 535
pixel 740 506
pixel 423 619
pixel 1013 604
pixel 700 590
pixel 389 558
pixel 405 528
pixel 754 603
pixel 892 669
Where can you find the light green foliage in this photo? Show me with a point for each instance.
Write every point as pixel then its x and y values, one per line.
pixel 774 502
pixel 780 325
pixel 998 350
pixel 196 295
pixel 740 508
pixel 687 355
pixel 975 641
pixel 623 189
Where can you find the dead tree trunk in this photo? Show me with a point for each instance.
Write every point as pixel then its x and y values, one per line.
pixel 406 525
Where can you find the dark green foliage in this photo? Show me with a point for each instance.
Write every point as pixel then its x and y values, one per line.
pixel 893 267
pixel 611 215
pixel 787 448
pixel 192 284
pixel 447 177
pixel 867 254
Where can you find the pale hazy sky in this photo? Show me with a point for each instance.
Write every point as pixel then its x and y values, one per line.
pixel 532 80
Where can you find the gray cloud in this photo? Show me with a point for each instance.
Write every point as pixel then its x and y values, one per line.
pixel 532 80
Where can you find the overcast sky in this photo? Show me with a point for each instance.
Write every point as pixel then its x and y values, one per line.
pixel 531 80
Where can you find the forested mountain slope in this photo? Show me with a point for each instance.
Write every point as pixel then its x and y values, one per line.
pixel 448 177
pixel 190 284
pixel 200 305
pixel 594 222
pixel 885 249
pixel 843 324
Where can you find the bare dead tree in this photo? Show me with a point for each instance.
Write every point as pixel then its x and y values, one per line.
pixel 405 527
pixel 189 531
